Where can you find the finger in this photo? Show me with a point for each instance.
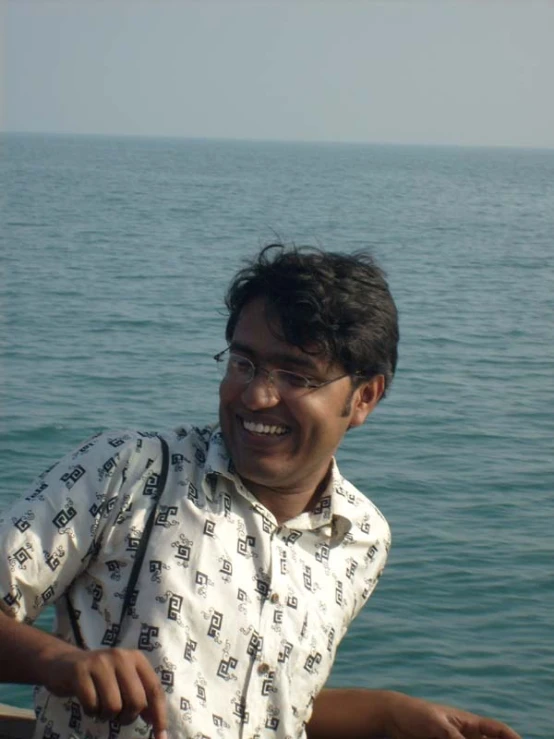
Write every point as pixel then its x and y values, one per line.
pixel 85 692
pixel 450 732
pixel 132 692
pixel 492 729
pixel 110 703
pixel 156 710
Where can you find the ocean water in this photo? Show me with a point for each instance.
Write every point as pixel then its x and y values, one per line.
pixel 115 256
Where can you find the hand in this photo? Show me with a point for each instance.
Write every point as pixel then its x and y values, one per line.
pixel 109 684
pixel 412 718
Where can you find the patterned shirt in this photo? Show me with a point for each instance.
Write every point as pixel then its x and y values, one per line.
pixel 239 616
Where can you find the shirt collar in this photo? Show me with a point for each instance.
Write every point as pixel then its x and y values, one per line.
pixel 333 514
pixel 218 460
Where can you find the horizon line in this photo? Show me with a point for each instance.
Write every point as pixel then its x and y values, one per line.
pixel 261 140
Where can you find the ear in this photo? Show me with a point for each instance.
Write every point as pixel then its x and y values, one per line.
pixel 365 399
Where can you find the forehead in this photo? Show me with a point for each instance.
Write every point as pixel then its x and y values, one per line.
pixel 260 334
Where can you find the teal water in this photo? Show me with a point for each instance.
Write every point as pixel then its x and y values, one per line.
pixel 115 255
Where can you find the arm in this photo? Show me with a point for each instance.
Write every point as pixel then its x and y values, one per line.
pixel 47 540
pixel 383 714
pixel 108 683
pixel 348 713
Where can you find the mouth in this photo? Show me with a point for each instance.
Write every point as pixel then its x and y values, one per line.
pixel 264 429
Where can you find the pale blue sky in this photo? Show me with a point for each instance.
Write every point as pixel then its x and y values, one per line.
pixel 467 72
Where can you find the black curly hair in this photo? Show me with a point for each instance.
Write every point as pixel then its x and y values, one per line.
pixel 337 305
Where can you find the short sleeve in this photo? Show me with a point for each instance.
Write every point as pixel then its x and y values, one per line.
pixel 370 563
pixel 49 535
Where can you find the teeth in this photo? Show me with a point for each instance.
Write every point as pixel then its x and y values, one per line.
pixel 262 428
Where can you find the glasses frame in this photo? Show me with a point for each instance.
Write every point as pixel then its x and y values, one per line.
pixel 310 384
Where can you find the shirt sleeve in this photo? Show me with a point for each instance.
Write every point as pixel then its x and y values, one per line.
pixel 372 562
pixel 49 535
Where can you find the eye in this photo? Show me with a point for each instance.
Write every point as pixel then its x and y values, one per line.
pixel 240 365
pixel 293 380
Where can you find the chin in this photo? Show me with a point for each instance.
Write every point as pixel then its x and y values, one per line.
pixel 258 474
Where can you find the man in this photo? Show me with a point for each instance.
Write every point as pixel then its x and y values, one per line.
pixel 256 554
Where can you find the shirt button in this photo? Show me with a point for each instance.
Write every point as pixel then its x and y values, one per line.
pixel 274 598
pixel 263 669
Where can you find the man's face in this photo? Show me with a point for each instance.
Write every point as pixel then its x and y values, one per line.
pixel 292 452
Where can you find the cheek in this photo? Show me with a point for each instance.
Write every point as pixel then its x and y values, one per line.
pixel 315 421
pixel 324 421
pixel 226 392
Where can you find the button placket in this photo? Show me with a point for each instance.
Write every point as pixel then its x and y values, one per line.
pixel 270 636
pixel 266 659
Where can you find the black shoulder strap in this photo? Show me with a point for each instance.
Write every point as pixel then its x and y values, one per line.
pixel 141 549
pixel 137 562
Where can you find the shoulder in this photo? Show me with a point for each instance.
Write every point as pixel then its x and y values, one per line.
pixel 106 452
pixel 99 463
pixel 367 521
pixel 132 449
pixel 198 436
pixel 137 453
pixel 114 443
pixel 191 439
pixel 127 443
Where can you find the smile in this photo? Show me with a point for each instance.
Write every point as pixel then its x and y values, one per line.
pixel 264 429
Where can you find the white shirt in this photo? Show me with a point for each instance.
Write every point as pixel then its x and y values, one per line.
pixel 239 616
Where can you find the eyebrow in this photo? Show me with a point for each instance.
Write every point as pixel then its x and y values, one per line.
pixel 278 357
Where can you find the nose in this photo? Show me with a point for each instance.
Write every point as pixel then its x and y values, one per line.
pixel 260 393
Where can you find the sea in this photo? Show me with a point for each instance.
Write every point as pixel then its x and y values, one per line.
pixel 116 253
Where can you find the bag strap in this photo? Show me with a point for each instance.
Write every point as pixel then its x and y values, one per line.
pixel 137 562
pixel 141 549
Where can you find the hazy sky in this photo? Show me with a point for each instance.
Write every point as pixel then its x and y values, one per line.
pixel 465 72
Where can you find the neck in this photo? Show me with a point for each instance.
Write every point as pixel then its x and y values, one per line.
pixel 286 504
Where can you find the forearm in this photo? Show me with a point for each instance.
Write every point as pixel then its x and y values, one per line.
pixel 25 652
pixel 349 714
pixel 377 714
pixel 108 683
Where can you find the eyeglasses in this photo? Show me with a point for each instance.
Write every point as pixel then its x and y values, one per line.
pixel 238 368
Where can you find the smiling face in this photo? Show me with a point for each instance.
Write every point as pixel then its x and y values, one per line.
pixel 282 449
